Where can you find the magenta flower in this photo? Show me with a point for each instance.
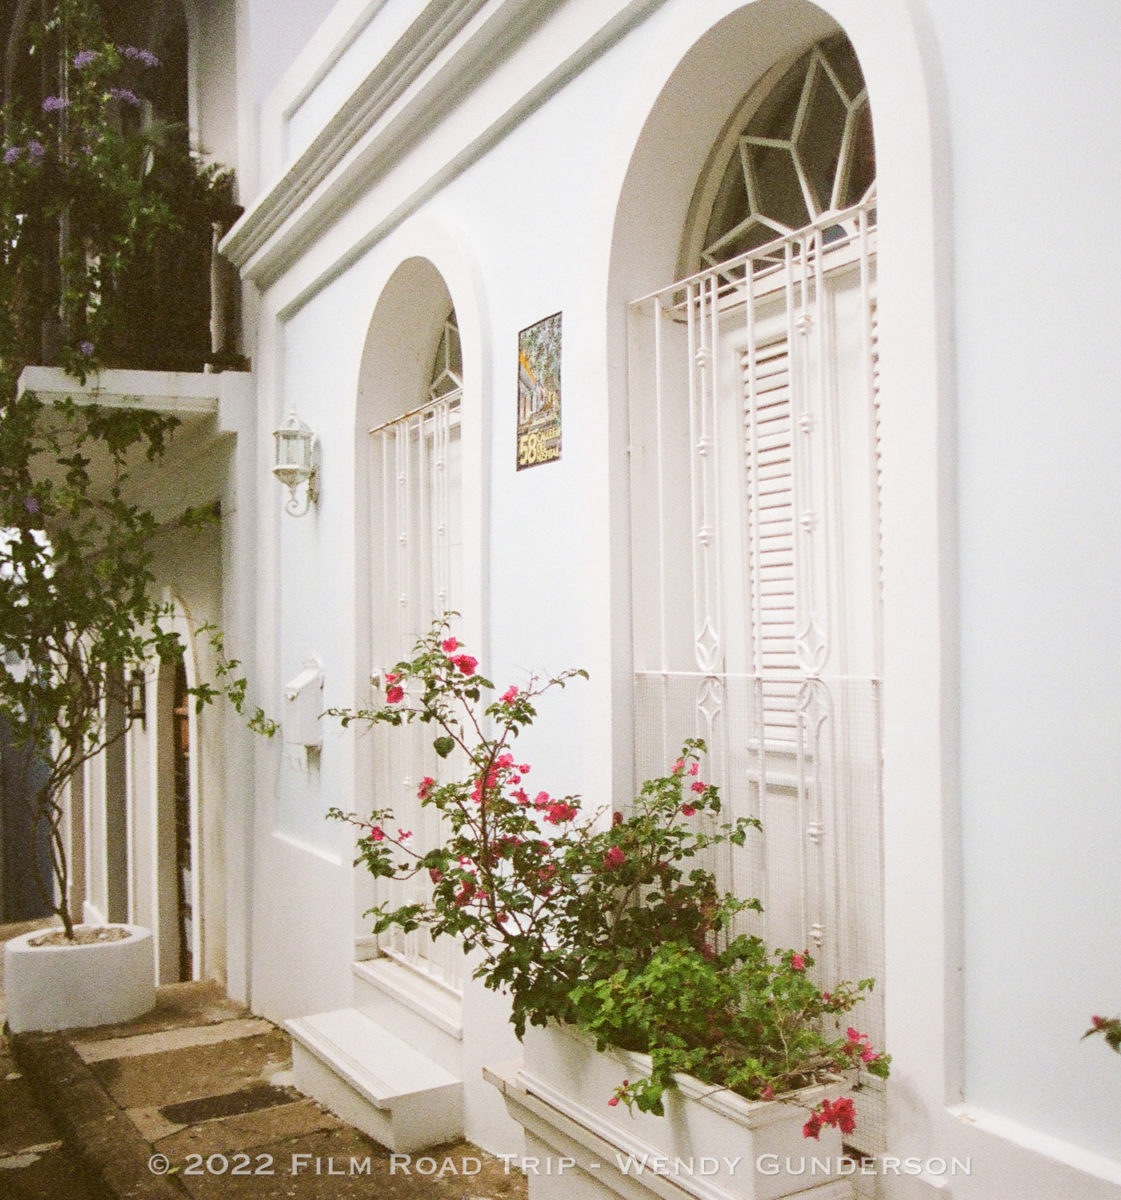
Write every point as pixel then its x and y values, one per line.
pixel 697 786
pixel 509 695
pixel 687 810
pixel 615 857
pixel 376 833
pixel 449 645
pixel 394 694
pixel 798 962
pixel 465 663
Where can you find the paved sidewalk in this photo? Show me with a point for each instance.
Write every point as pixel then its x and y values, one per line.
pixel 196 1099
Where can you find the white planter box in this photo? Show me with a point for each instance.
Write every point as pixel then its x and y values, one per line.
pixel 70 986
pixel 711 1144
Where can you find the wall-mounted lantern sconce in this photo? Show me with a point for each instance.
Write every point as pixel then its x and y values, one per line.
pixel 295 463
pixel 137 699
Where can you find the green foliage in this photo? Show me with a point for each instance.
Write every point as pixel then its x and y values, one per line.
pixel 1109 1028
pixel 105 217
pixel 613 926
pixel 78 611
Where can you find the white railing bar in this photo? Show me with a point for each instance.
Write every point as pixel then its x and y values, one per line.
pixel 771 248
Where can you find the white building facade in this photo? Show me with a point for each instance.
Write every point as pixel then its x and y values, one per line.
pixel 809 503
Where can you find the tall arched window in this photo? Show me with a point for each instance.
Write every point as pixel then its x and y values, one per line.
pixel 416 524
pixel 754 435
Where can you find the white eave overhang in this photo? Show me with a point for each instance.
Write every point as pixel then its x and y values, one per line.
pixel 183 394
pixel 210 410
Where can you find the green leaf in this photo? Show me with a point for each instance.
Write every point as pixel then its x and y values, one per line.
pixel 443 746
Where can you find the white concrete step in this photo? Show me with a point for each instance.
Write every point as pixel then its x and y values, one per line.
pixel 371 1079
pixel 421 1012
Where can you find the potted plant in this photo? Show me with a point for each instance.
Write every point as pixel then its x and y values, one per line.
pixel 609 928
pixel 105 237
pixel 77 619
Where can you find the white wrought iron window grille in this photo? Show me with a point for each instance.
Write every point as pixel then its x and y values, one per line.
pixel 756 565
pixel 416 570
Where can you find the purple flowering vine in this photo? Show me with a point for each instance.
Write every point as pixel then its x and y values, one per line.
pixel 55 104
pixel 12 155
pixel 35 149
pixel 84 57
pixel 137 54
pixel 124 95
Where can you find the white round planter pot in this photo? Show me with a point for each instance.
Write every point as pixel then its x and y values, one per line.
pixel 72 986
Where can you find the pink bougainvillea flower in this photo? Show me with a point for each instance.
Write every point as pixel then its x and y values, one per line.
pixel 613 1101
pixel 509 695
pixel 394 694
pixel 559 812
pixel 798 962
pixel 524 768
pixel 693 768
pixel 698 787
pixel 679 766
pixel 466 663
pixel 426 786
pixel 768 1093
pixel 687 810
pixel 435 875
pixel 449 645
pixel 615 857
pixel 404 834
pixel 812 1128
pixel 376 833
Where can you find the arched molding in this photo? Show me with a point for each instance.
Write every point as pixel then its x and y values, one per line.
pixel 688 107
pixel 423 273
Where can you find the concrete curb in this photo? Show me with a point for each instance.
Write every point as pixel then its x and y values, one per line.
pixel 100 1134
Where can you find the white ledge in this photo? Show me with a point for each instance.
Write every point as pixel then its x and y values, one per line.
pixel 175 392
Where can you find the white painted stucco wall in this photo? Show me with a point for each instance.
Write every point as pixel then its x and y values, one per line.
pixel 1002 560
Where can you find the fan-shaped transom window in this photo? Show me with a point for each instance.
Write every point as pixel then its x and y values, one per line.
pixel 447 367
pixel 806 153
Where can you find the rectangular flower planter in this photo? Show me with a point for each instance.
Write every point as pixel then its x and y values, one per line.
pixel 711 1144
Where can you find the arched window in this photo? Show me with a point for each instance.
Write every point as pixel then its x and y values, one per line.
pixel 755 551
pixel 416 524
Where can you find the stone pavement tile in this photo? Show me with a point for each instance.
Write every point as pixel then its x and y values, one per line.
pixel 248 1131
pixel 157 1080
pixel 136 1044
pixel 49 1174
pixel 343 1164
pixel 177 1005
pixel 22 1122
pixel 110 1148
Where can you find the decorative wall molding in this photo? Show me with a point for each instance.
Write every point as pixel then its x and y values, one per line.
pixel 447 52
